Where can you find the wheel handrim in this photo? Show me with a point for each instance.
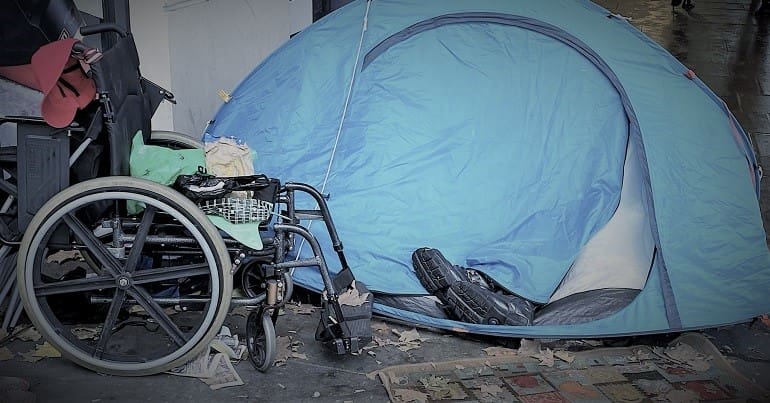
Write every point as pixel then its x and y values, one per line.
pixel 128 282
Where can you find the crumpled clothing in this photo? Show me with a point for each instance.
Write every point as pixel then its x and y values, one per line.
pixel 226 158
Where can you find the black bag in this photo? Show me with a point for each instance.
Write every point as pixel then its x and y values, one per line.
pixel 202 186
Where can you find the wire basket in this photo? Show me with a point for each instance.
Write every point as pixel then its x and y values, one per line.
pixel 238 211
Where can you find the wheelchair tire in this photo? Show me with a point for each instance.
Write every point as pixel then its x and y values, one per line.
pixel 260 340
pixel 144 337
pixel 174 140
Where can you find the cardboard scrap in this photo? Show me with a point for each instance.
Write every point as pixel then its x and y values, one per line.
pixel 224 373
pixel 215 370
pixel 407 335
pixel 64 256
pixel 408 395
pixel 642 355
pixel 198 367
pixel 529 347
pixel 407 340
pixel 30 334
pixel 564 356
pixel 287 347
pixel 86 332
pixel 352 297
pixel 686 354
pixel 301 356
pixel 41 351
pixel 545 357
pixel 440 388
pixel 5 354
pixel 499 351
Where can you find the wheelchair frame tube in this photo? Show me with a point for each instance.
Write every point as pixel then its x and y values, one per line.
pixel 317 260
pixel 325 214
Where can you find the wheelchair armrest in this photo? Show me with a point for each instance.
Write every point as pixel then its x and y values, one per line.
pixel 21 119
pixel 34 120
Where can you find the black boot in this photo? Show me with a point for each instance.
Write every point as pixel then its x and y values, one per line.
pixel 435 272
pixel 472 303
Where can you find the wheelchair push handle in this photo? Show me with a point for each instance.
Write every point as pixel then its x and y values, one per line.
pixel 101 28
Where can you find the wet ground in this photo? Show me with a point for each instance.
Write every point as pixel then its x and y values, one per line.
pixel 722 41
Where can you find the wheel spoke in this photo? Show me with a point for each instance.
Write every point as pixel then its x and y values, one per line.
pixel 109 322
pixel 170 273
pixel 145 300
pixel 139 238
pixel 70 286
pixel 93 244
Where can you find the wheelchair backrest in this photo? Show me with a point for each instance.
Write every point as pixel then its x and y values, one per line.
pixel 125 105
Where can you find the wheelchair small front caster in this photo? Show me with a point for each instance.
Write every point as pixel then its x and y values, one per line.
pixel 260 339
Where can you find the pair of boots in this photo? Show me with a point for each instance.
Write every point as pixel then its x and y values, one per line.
pixel 466 294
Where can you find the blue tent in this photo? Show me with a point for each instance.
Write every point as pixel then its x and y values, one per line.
pixel 547 144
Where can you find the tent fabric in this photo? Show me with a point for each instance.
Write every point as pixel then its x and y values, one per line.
pixel 620 254
pixel 498 132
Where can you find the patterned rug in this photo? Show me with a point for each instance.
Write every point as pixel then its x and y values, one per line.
pixel 689 369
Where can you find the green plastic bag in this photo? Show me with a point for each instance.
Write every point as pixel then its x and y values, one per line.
pixel 163 165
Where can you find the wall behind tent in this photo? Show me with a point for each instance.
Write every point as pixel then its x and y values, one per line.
pixel 149 25
pixel 214 44
pixel 195 48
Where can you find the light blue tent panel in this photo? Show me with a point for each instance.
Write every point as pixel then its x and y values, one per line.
pixel 496 132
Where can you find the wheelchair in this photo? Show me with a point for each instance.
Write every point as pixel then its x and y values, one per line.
pixel 129 277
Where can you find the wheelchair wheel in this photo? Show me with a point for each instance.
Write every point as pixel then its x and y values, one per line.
pixel 260 340
pixel 174 140
pixel 124 276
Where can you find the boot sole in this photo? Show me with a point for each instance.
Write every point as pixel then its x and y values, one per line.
pixel 433 270
pixel 471 303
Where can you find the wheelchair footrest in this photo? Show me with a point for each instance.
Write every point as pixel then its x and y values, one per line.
pixel 345 325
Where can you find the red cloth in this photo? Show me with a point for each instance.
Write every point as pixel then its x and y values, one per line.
pixel 60 78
